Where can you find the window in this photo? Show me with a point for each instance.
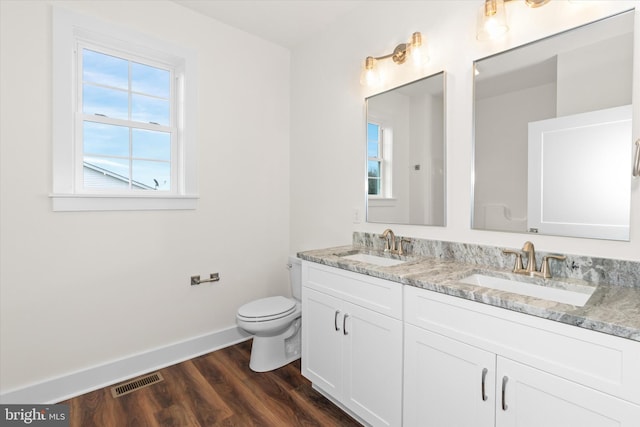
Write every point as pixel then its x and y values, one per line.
pixel 379 165
pixel 374 164
pixel 124 119
pixel 127 127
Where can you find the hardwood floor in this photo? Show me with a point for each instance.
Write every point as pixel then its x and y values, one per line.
pixel 216 389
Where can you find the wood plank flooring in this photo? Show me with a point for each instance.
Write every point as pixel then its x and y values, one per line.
pixel 216 389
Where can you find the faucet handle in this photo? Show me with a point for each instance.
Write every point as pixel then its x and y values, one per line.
pixel 518 264
pixel 400 248
pixel 545 271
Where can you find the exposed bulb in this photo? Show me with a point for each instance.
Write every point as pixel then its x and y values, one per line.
pixel 492 22
pixel 419 54
pixel 370 75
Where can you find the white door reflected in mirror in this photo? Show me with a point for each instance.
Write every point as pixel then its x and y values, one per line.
pixel 577 186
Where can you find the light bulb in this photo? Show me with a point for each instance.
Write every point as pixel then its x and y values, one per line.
pixel 492 21
pixel 370 75
pixel 419 54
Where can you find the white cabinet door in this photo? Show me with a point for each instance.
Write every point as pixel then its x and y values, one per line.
pixel 533 398
pixel 446 383
pixel 372 361
pixel 322 340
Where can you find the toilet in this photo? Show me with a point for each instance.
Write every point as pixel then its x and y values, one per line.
pixel 275 324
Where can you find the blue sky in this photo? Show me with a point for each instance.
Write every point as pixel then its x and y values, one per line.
pixel 106 81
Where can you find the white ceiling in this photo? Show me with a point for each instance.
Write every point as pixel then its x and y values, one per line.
pixel 284 22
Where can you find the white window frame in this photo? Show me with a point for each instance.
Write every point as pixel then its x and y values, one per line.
pixel 385 151
pixel 71 31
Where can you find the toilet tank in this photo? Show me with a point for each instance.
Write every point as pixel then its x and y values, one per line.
pixel 295 277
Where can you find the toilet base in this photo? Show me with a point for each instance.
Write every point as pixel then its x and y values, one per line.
pixel 269 353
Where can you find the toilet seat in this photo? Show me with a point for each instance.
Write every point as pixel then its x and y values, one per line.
pixel 266 309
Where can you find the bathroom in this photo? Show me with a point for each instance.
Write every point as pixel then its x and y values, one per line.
pixel 82 291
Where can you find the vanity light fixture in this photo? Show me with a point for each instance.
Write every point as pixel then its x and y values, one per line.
pixel 492 20
pixel 415 49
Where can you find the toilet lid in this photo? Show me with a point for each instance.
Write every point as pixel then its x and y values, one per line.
pixel 267 307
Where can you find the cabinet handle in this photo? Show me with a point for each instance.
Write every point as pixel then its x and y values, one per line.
pixel 335 320
pixel 344 324
pixel 484 377
pixel 504 392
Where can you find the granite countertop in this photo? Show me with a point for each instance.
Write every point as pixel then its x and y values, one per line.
pixel 611 309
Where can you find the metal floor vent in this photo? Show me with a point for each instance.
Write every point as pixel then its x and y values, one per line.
pixel 131 386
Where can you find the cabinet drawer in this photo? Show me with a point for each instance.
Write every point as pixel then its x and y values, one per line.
pixel 607 363
pixel 382 296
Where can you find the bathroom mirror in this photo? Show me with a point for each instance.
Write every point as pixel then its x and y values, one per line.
pixel 552 134
pixel 406 154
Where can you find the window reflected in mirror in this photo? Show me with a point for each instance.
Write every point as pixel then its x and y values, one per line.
pixel 406 154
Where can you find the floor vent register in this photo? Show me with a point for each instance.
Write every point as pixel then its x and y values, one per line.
pixel 133 385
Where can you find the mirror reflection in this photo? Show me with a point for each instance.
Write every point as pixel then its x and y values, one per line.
pixel 553 141
pixel 406 154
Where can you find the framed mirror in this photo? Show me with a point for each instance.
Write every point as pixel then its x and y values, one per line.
pixel 552 134
pixel 406 153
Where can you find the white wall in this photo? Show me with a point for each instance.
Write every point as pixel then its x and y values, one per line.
pixel 82 289
pixel 501 159
pixel 327 185
pixel 607 61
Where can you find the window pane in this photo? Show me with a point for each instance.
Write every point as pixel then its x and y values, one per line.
pixel 373 138
pixel 105 140
pixel 150 110
pixel 100 172
pixel 104 69
pixel 374 177
pixel 109 102
pixel 151 175
pixel 150 80
pixel 373 149
pixel 374 169
pixel 149 144
pixel 374 186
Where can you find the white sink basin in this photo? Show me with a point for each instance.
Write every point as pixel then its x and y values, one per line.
pixel 570 294
pixel 374 259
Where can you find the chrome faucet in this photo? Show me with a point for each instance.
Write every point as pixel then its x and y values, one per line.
pixel 531 269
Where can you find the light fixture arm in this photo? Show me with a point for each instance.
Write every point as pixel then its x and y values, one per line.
pixel 414 48
pixel 399 54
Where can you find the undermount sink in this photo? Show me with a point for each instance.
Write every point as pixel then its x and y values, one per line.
pixel 576 295
pixel 374 259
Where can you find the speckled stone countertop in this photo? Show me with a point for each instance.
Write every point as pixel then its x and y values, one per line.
pixel 613 308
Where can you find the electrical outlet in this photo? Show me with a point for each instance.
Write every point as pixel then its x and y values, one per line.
pixel 357 216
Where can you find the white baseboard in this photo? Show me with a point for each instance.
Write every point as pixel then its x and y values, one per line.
pixel 86 380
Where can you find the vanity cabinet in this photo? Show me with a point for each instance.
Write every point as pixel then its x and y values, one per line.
pixel 473 364
pixel 352 341
pixel 446 382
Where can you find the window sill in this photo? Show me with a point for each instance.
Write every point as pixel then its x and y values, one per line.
pixel 99 202
pixel 382 201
